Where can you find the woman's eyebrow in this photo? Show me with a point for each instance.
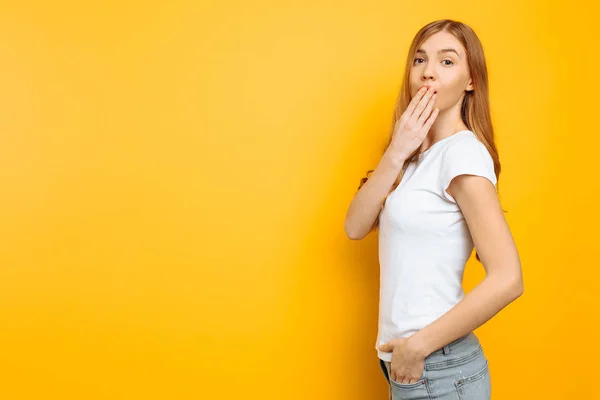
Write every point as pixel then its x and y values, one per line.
pixel 421 51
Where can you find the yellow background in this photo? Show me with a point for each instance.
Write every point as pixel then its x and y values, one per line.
pixel 174 178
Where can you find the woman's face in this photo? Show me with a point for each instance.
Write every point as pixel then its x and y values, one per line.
pixel 441 63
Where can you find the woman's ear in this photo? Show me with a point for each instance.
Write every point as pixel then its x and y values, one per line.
pixel 470 87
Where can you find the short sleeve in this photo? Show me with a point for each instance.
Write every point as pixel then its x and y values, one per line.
pixel 466 156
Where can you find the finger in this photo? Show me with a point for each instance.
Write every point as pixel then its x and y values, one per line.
pixel 422 104
pixel 387 347
pixel 415 100
pixel 427 111
pixel 430 120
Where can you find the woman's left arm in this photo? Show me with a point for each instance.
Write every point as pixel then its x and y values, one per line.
pixel 478 201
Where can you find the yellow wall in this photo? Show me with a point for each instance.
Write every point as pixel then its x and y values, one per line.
pixel 174 178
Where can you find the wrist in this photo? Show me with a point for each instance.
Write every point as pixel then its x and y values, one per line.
pixel 419 344
pixel 395 158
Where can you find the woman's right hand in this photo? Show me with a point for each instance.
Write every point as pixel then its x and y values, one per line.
pixel 414 124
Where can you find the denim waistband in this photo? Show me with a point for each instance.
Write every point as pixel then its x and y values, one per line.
pixel 447 349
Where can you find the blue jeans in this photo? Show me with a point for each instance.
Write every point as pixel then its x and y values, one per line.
pixel 457 371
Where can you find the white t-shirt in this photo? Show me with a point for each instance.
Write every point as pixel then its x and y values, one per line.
pixel 424 240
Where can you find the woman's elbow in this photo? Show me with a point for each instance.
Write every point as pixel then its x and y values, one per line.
pixel 356 232
pixel 516 287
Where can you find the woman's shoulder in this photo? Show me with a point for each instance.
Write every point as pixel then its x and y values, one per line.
pixel 464 144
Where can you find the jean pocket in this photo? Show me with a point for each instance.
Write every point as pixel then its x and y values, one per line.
pixel 420 383
pixel 410 391
pixel 475 386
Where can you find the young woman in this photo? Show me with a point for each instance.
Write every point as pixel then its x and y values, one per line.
pixel 433 199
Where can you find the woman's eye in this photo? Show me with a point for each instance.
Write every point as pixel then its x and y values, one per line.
pixel 420 59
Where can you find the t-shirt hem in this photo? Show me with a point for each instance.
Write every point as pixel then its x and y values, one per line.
pixel 384 356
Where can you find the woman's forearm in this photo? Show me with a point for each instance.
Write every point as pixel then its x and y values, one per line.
pixel 367 202
pixel 478 306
